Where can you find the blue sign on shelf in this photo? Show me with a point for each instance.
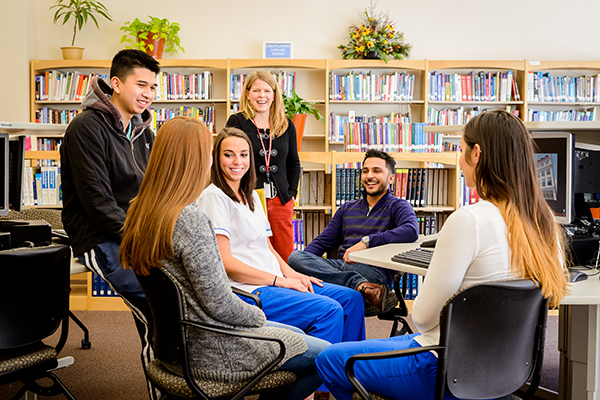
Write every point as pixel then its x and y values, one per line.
pixel 278 50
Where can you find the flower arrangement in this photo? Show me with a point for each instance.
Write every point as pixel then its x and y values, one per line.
pixel 375 37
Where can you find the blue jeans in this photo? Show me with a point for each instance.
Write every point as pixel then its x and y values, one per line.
pixel 405 378
pixel 333 313
pixel 307 380
pixel 336 270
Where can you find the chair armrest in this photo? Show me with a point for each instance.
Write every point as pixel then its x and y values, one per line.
pixel 233 332
pixel 251 296
pixel 380 356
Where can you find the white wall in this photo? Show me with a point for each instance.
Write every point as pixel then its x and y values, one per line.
pixel 437 29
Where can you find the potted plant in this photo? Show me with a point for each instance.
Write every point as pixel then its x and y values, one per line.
pixel 297 109
pixel 153 37
pixel 80 10
pixel 375 38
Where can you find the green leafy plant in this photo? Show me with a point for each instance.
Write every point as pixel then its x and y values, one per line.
pixel 154 29
pixel 80 10
pixel 375 37
pixel 296 105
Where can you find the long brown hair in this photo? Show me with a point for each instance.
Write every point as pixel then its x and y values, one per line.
pixel 277 117
pixel 248 182
pixel 176 175
pixel 505 176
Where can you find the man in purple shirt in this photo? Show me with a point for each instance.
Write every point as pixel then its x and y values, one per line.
pixel 376 219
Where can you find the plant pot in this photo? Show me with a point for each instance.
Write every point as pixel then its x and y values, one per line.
pixel 372 55
pixel 158 46
pixel 72 53
pixel 299 122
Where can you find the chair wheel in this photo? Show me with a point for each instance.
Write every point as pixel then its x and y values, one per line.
pixel 85 344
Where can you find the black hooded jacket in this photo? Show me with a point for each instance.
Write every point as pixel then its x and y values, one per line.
pixel 101 169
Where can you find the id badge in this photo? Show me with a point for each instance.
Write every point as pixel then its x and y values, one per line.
pixel 270 191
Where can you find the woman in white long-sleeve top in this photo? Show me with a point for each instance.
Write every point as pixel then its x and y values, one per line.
pixel 511 233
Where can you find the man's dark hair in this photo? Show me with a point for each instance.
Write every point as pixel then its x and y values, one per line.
pixel 125 61
pixel 390 163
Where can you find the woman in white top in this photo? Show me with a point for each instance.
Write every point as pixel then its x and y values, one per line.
pixel 511 233
pixel 326 311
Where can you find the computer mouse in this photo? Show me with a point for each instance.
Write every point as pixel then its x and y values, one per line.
pixel 577 276
pixel 429 243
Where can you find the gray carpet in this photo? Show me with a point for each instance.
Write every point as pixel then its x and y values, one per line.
pixel 111 369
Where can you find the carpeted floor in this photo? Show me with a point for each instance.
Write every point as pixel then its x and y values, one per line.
pixel 111 369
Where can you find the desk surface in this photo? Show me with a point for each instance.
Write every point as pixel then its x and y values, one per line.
pixel 381 256
pixel 584 292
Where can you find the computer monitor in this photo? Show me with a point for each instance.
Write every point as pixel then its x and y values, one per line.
pixel 16 161
pixel 554 169
pixel 586 175
pixel 4 173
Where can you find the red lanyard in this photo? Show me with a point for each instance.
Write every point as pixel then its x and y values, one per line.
pixel 267 155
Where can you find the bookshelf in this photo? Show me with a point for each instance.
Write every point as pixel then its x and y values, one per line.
pixel 457 90
pixel 372 89
pixel 313 82
pixel 449 160
pixel 561 90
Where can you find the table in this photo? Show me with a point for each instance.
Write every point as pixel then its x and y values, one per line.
pixel 381 256
pixel 579 341
pixel 579 323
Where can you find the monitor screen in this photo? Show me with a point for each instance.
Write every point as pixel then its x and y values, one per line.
pixel 554 169
pixel 586 177
pixel 15 167
pixel 4 173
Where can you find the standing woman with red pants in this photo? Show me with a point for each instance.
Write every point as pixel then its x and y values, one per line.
pixel 273 135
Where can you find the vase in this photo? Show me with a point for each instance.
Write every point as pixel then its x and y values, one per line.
pixel 72 53
pixel 158 46
pixel 372 55
pixel 299 122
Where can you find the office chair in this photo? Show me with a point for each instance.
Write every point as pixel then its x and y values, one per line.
pixel 54 219
pixel 34 293
pixel 399 313
pixel 170 347
pixel 491 342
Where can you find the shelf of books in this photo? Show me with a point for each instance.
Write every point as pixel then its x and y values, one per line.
pixel 185 87
pixel 562 90
pixel 372 104
pixel 459 90
pixel 41 174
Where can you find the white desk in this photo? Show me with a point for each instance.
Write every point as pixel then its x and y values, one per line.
pixel 579 324
pixel 579 342
pixel 382 256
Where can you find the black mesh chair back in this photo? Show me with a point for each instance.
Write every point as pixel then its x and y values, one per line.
pixel 34 293
pixel 164 299
pixel 494 338
pixel 491 342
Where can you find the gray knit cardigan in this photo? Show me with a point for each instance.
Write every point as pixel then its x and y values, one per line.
pixel 198 270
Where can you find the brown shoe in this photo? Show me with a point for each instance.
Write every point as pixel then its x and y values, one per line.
pixel 374 294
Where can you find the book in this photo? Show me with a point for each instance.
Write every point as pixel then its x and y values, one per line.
pixel 320 187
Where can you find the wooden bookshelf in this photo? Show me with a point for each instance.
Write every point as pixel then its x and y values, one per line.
pixel 313 84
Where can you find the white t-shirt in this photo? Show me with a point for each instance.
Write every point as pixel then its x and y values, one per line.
pixel 472 247
pixel 248 231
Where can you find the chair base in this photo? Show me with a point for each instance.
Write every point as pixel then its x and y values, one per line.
pixel 56 388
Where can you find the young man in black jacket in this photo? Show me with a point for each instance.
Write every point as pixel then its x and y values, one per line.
pixel 104 155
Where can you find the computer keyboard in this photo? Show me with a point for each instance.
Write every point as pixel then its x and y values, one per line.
pixel 419 257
